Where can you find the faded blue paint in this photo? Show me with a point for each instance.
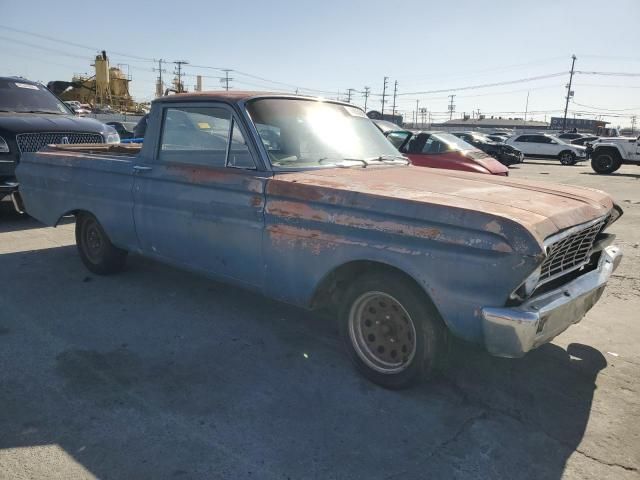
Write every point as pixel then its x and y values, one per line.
pixel 282 234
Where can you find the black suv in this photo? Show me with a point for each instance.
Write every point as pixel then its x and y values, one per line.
pixel 32 117
pixel 505 154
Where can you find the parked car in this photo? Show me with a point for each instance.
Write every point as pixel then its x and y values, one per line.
pixel 547 146
pixel 584 140
pixel 126 130
pixel 569 136
pixel 32 117
pixel 441 150
pixel 331 216
pixel 497 138
pixel 505 154
pixel 609 154
pixel 77 108
pixel 444 150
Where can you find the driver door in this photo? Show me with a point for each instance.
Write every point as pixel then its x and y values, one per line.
pixel 200 202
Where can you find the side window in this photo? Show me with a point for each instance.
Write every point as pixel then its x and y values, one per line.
pixel 239 154
pixel 522 138
pixel 195 135
pixel 433 146
pixel 541 139
pixel 397 138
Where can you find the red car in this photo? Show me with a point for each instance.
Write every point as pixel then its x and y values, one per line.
pixel 442 150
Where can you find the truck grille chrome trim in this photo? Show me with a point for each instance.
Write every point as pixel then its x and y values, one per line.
pixel 33 142
pixel 570 250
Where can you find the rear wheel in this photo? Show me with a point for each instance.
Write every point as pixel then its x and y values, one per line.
pixel 97 252
pixel 567 158
pixel 393 334
pixel 605 162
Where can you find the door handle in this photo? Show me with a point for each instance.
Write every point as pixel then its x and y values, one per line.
pixel 140 168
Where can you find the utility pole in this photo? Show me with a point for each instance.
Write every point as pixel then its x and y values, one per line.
pixel 633 125
pixel 226 78
pixel 160 70
pixel 366 94
pixel 526 109
pixel 179 64
pixel 349 92
pixel 452 107
pixel 417 110
pixel 384 94
pixel 569 94
pixel 395 91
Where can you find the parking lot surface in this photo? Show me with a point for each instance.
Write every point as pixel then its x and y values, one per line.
pixel 158 373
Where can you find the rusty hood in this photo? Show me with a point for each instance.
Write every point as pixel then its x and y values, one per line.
pixel 542 208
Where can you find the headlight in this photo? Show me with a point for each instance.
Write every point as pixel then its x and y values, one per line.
pixel 4 148
pixel 112 137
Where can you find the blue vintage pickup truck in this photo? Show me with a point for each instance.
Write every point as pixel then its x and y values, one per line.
pixel 304 200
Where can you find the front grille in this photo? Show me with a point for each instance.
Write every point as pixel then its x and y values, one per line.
pixel 570 252
pixel 32 142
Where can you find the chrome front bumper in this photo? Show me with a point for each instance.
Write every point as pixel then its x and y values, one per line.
pixel 512 332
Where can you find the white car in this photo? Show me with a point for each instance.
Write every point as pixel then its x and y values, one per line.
pixel 547 146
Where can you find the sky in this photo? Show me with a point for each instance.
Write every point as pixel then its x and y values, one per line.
pixel 432 49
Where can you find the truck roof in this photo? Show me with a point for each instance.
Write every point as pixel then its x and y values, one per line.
pixel 229 96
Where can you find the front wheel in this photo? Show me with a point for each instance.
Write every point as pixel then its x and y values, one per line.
pixel 393 334
pixel 605 162
pixel 567 158
pixel 97 252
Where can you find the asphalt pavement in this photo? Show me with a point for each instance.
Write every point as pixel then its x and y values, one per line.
pixel 158 373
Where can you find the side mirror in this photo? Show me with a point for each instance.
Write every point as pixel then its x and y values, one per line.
pixel 553 142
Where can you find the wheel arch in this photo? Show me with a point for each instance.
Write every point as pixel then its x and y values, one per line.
pixel 328 294
pixel 608 149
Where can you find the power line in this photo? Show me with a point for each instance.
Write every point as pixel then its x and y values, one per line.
pixel 607 109
pixel 487 85
pixel 610 74
pixel 77 45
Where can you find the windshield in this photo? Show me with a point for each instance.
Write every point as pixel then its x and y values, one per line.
pixel 22 97
pixel 453 141
pixel 309 134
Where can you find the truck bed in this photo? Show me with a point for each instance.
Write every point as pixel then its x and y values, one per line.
pixel 113 149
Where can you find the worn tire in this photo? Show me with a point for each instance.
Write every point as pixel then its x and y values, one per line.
pixel 391 293
pixel 97 252
pixel 567 157
pixel 605 162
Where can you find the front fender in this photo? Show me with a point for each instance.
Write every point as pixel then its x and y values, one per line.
pixel 459 268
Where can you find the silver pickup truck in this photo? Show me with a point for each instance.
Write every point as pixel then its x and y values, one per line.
pixel 305 201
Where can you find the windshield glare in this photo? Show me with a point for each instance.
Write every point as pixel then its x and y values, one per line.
pixel 308 133
pixel 22 97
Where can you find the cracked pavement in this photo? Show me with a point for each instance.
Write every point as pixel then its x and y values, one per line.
pixel 158 373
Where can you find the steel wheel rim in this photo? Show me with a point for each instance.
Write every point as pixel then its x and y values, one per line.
pixel 382 332
pixel 605 161
pixel 93 241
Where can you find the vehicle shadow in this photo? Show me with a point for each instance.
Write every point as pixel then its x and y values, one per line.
pixel 158 373
pixel 556 163
pixel 12 221
pixel 615 174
